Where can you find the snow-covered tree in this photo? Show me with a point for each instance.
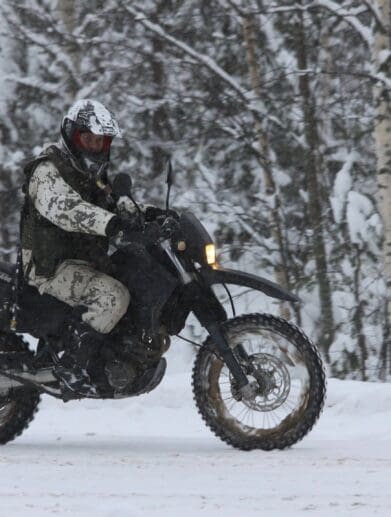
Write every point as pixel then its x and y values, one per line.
pixel 267 112
pixel 382 132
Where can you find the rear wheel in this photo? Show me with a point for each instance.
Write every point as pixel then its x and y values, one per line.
pixel 286 375
pixel 17 407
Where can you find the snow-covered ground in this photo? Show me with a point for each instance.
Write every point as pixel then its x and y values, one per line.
pixel 152 456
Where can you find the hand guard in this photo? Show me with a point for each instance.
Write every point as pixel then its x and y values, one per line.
pixel 151 234
pixel 117 225
pixel 152 213
pixel 123 233
pixel 170 227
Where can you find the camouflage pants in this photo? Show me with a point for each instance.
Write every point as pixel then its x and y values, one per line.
pixel 75 282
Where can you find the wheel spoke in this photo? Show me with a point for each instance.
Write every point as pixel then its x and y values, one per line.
pixel 274 373
pixel 282 361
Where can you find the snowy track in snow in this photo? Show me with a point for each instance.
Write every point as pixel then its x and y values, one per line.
pixel 152 456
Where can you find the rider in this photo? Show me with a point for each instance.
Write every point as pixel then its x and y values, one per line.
pixel 66 226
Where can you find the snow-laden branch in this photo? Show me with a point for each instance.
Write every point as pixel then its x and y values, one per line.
pixel 276 9
pixel 206 60
pixel 25 35
pixel 250 230
pixel 348 16
pixel 374 77
pixel 248 97
pixel 32 83
pixel 373 7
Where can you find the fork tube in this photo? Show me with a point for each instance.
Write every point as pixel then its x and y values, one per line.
pixel 226 353
pixel 184 275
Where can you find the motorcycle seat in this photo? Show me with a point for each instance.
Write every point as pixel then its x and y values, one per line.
pixel 33 307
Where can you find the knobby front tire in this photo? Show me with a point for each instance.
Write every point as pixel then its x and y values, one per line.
pixel 292 378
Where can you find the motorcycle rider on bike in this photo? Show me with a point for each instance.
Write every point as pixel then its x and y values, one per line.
pixel 66 226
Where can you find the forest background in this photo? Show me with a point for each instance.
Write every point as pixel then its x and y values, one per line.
pixel 277 118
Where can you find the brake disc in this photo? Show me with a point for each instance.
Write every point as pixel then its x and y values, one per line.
pixel 270 381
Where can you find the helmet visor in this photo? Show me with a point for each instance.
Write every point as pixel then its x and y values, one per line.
pixel 89 142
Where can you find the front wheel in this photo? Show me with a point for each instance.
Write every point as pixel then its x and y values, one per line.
pixel 287 378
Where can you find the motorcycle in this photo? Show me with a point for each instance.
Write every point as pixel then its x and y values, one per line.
pixel 258 380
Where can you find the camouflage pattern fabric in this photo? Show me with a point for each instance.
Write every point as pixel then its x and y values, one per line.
pixel 76 283
pixel 60 204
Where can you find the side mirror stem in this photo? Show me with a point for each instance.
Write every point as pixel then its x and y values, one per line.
pixel 135 204
pixel 122 186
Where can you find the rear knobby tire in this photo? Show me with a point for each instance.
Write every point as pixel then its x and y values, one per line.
pixel 18 407
pixel 293 351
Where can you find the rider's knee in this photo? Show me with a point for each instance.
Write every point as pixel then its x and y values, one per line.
pixel 121 299
pixel 112 304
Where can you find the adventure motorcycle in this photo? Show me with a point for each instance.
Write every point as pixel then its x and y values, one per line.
pixel 258 381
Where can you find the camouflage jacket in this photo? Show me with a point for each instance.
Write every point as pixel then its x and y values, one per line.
pixel 65 214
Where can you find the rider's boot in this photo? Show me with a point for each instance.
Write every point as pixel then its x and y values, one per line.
pixel 72 369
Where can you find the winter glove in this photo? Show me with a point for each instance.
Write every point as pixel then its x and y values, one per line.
pixel 170 227
pixel 152 233
pixel 123 233
pixel 152 213
pixel 116 225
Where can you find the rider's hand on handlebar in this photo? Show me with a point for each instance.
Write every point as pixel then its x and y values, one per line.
pixel 152 233
pixel 153 213
pixel 117 225
pixel 170 227
pixel 123 233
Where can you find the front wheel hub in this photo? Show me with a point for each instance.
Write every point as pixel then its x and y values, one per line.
pixel 269 384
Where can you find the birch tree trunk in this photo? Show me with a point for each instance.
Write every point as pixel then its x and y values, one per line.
pixel 281 268
pixel 358 316
pixel 68 14
pixel 382 136
pixel 10 53
pixel 315 202
pixel 159 116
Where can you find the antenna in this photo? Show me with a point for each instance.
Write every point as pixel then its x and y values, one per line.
pixel 169 181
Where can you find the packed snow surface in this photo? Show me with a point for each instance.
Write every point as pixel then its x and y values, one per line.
pixel 152 456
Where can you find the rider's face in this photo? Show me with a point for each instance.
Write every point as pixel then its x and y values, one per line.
pixel 91 142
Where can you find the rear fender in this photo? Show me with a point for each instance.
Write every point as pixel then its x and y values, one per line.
pixel 230 276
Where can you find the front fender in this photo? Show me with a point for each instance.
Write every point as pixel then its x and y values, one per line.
pixel 230 276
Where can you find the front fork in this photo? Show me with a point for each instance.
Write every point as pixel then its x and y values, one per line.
pixel 228 356
pixel 213 327
pixel 209 313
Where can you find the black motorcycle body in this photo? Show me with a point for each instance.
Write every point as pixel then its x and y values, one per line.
pixel 166 282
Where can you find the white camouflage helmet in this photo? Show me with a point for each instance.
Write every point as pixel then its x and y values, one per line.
pixel 93 116
pixel 88 115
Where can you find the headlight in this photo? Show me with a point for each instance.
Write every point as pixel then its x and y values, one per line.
pixel 210 253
